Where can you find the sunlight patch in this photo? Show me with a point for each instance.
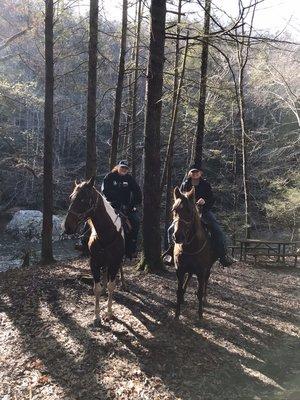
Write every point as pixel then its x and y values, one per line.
pixel 54 327
pixel 227 345
pixel 261 377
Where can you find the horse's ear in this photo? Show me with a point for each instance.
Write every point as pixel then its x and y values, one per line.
pixel 91 181
pixel 177 193
pixel 191 194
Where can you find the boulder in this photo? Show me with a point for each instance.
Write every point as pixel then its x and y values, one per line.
pixel 27 224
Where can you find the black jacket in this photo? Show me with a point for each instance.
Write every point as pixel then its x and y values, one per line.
pixel 121 191
pixel 203 189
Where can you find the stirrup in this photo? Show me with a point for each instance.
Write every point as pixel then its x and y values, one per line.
pixel 227 261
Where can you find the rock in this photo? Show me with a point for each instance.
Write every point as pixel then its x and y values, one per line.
pixel 27 224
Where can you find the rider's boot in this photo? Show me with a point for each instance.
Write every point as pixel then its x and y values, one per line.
pixel 227 260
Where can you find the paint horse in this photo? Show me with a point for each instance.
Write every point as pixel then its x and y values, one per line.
pixel 106 241
pixel 193 253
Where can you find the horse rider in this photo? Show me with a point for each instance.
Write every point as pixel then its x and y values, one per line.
pixel 204 198
pixel 122 191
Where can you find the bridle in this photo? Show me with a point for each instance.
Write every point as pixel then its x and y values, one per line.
pixel 190 224
pixel 84 216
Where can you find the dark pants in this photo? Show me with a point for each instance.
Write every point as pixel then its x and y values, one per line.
pixel 217 234
pixel 132 235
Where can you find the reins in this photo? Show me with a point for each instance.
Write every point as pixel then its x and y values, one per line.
pixel 90 213
pixel 193 236
pixel 83 217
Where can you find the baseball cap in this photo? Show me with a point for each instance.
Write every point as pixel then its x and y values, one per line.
pixel 123 163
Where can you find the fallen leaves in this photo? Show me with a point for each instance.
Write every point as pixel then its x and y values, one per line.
pixel 246 346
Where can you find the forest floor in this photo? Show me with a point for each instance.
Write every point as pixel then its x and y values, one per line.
pixel 247 346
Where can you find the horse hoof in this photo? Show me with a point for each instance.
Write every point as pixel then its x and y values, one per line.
pixel 108 317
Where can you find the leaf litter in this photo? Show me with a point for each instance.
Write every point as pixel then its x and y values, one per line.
pixel 247 346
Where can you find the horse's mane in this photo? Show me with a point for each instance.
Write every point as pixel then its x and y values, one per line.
pixel 110 210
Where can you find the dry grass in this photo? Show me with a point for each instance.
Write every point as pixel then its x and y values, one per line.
pixel 246 348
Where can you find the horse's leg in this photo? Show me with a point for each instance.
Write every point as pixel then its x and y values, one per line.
pixel 186 282
pixel 104 283
pixel 207 275
pixel 201 282
pixel 97 286
pixel 123 283
pixel 110 287
pixel 97 292
pixel 180 292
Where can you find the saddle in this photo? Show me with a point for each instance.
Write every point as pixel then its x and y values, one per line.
pixel 125 222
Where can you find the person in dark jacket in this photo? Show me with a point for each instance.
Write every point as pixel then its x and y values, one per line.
pixel 124 194
pixel 204 197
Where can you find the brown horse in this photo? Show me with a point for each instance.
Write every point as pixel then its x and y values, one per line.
pixel 193 252
pixel 106 242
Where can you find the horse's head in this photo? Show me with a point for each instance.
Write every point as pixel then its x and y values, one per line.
pixel 82 204
pixel 183 214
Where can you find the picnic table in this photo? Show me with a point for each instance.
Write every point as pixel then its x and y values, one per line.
pixel 280 249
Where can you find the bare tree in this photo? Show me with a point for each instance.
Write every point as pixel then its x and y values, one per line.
pixel 47 251
pixel 168 166
pixel 243 43
pixel 135 87
pixel 91 153
pixel 151 191
pixel 203 85
pixel 119 90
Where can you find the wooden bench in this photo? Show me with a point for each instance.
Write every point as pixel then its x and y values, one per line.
pixel 279 249
pixel 233 249
pixel 257 254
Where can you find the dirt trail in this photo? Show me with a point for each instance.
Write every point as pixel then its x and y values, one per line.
pixel 247 347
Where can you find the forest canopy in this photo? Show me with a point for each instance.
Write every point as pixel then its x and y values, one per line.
pixel 270 96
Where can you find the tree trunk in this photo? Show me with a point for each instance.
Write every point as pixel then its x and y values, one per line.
pixel 243 56
pixel 167 170
pixel 119 90
pixel 241 107
pixel 234 172
pixel 47 251
pixel 126 136
pixel 168 167
pixel 91 153
pixel 135 88
pixel 169 154
pixel 203 82
pixel 151 192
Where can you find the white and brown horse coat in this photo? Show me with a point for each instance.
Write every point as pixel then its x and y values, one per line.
pixel 106 242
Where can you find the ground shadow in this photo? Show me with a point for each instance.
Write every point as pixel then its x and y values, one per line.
pixel 230 355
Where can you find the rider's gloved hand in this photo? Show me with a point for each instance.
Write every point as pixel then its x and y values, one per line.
pixel 201 202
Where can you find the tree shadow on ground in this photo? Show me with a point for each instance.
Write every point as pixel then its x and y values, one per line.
pixel 230 355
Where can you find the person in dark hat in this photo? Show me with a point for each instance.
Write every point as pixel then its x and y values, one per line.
pixel 122 191
pixel 204 197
